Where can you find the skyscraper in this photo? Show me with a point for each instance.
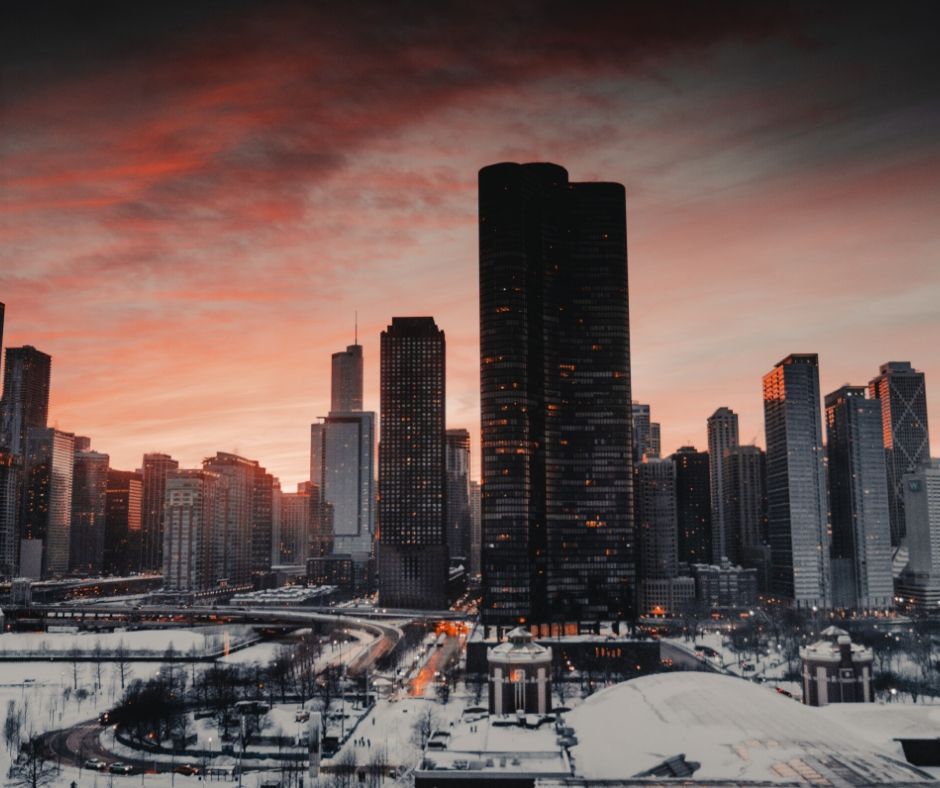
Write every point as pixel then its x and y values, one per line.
pixel 796 487
pixel 89 508
pixel 123 523
pixel 641 430
pixel 293 534
pixel 47 503
pixel 902 392
pixel 476 526
pixel 346 384
pixel 858 500
pixel 11 470
pixel 25 395
pixel 457 463
pixel 154 472
pixel 194 526
pixel 722 435
pixel 555 398
pixel 693 505
pixel 919 584
pixel 413 561
pixel 744 475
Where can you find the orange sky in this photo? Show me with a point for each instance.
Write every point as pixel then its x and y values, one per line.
pixel 191 213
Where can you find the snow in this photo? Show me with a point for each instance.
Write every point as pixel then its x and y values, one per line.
pixel 735 729
pixel 137 642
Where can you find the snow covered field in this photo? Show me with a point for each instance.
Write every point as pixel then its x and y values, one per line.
pixel 137 642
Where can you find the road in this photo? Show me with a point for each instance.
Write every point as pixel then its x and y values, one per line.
pixel 437 660
pixel 77 744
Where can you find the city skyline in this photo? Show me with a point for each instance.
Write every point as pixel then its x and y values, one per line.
pixel 220 215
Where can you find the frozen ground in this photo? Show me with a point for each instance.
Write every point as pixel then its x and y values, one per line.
pixel 137 642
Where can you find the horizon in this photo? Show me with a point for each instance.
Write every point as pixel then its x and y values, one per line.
pixel 196 204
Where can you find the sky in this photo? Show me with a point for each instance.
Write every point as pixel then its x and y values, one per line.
pixel 197 198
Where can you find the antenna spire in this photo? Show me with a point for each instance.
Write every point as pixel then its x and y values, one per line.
pixel 356 323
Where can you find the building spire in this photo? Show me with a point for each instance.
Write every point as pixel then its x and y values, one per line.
pixel 356 329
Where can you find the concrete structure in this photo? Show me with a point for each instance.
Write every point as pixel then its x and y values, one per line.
pixel 194 524
pixel 89 508
pixel 835 670
pixel 919 585
pixel 555 398
pixel 123 518
pixel 725 585
pixel 154 470
pixel 413 551
pixel 520 675
pixel 796 484
pixel 25 403
pixel 293 539
pixel 657 530
pixel 858 500
pixel 722 437
pixel 744 478
pixel 902 392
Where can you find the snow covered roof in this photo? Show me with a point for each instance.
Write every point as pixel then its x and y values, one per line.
pixel 828 648
pixel 735 729
pixel 519 647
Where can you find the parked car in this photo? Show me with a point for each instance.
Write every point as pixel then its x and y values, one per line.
pixel 121 768
pixel 96 764
pixel 187 769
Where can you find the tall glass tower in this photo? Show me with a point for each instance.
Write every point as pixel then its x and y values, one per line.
pixel 722 436
pixel 796 483
pixel 558 541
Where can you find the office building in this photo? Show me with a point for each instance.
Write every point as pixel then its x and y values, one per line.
pixel 89 510
pixel 693 505
pixel 458 518
pixel 263 521
pixel 346 382
pixel 555 398
pixel 653 450
pixel 744 475
pixel 11 470
pixel 858 502
pixel 293 536
pixel 25 395
pixel 47 503
pixel 155 468
pixel 413 560
pixel 123 517
pixel 796 489
pixel 194 526
pixel 902 393
pixel 722 436
pixel 476 526
pixel 725 585
pixel 919 585
pixel 657 535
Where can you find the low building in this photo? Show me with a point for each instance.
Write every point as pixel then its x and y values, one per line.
pixel 664 597
pixel 520 673
pixel 836 670
pixel 725 586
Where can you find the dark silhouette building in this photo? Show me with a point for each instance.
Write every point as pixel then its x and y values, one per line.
pixel 902 392
pixel 154 472
pixel 89 509
pixel 458 519
pixel 11 472
pixel 413 559
pixel 693 505
pixel 25 395
pixel 47 503
pixel 346 382
pixel 722 436
pixel 123 523
pixel 744 482
pixel 557 539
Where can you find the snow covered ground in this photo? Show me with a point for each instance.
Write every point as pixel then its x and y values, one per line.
pixel 137 642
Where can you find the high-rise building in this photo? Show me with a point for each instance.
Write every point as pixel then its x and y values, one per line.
pixel 194 526
pixel 722 435
pixel 457 463
pixel 263 521
pixel 413 562
pixel 476 526
pixel 919 584
pixel 653 446
pixel 235 543
pixel 555 398
pixel 293 534
pixel 154 472
pixel 796 484
pixel 902 393
pixel 89 510
pixel 123 506
pixel 346 385
pixel 47 503
pixel 744 476
pixel 693 505
pixel 641 431
pixel 11 470
pixel 858 501
pixel 25 395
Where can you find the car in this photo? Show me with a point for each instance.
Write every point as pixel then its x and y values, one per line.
pixel 104 718
pixel 121 768
pixel 96 764
pixel 187 769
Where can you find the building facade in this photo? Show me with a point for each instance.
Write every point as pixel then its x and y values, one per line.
pixel 458 517
pixel 744 480
pixel 346 380
pixel 293 537
pixel 413 558
pixel 46 517
pixel 858 502
pixel 693 505
pixel 919 584
pixel 89 509
pixel 476 526
pixel 836 670
pixel 25 402
pixel 796 488
pixel 194 525
pixel 657 535
pixel 123 518
pixel 902 393
pixel 722 436
pixel 154 470
pixel 11 474
pixel 725 585
pixel 520 675
pixel 555 398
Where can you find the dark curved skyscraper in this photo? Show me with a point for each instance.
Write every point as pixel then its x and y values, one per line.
pixel 555 398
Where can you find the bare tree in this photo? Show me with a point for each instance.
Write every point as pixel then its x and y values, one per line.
pixel 344 767
pixel 98 655
pixel 424 725
pixel 75 654
pixel 12 726
pixel 377 766
pixel 123 663
pixel 31 769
